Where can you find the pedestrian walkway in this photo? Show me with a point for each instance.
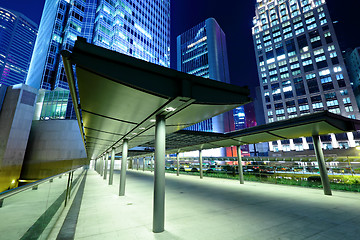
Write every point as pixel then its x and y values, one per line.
pixel 214 208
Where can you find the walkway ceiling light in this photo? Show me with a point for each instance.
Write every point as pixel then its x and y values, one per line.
pixel 170 109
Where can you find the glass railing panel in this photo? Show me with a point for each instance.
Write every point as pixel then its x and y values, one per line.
pixel 32 213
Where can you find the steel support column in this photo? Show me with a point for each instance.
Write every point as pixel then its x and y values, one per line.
pixel 151 163
pixel 123 168
pixel 200 162
pixel 143 164
pixel 159 175
pixel 322 167
pixel 177 164
pixel 106 164
pixel 102 165
pixel 241 172
pixel 112 163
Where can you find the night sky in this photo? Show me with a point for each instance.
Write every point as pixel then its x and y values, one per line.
pixel 235 18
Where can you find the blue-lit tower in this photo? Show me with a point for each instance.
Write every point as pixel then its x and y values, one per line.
pixel 301 69
pixel 201 51
pixel 17 39
pixel 137 28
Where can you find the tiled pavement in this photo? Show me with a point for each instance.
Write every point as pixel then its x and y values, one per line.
pixel 214 208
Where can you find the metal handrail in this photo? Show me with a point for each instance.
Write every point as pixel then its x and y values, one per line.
pixel 17 190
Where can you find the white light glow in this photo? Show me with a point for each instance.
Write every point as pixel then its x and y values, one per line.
pixel 170 109
pixel 197 42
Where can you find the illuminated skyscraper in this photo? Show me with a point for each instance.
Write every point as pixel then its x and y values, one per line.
pixel 137 28
pixel 352 60
pixel 301 69
pixel 201 51
pixel 17 39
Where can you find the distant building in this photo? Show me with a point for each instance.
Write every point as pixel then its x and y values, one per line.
pixel 17 39
pixel 136 28
pixel 201 51
pixel 352 59
pixel 301 68
pixel 246 117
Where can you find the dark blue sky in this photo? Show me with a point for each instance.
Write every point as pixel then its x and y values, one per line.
pixel 235 18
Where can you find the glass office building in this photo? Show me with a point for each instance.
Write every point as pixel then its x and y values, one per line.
pixel 17 39
pixel 137 28
pixel 201 51
pixel 301 68
pixel 352 61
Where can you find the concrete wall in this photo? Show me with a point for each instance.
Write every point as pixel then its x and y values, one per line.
pixel 15 123
pixel 54 146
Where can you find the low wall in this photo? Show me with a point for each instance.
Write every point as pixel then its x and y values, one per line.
pixel 54 146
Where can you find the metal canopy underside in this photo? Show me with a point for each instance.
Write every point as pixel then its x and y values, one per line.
pixel 305 126
pixel 120 97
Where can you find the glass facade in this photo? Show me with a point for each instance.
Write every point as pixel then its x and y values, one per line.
pixel 300 65
pixel 352 59
pixel 17 39
pixel 199 52
pixel 55 105
pixel 136 28
pixel 195 60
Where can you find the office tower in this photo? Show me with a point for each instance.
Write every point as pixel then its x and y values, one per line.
pixel 201 51
pixel 300 66
pixel 246 116
pixel 17 39
pixel 352 60
pixel 137 28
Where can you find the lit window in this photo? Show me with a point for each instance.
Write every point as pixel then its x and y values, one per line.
pixel 337 69
pixel 285 75
pixel 282 63
pixel 317 105
pixel 323 21
pixel 304 107
pixel 324 72
pixel 339 77
pixel 344 92
pixel 306 55
pixel 333 54
pixel 332 103
pixel 320 59
pixel 326 80
pixel 283 69
pixel 320 51
pixel 294 66
pixel 346 100
pixel 349 109
pixel 294 59
pixel 335 110
pixel 289 35
pixel 312 26
pixel 307 62
pixel 331 48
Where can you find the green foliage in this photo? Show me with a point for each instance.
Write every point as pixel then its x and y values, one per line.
pixel 351 180
pixel 342 182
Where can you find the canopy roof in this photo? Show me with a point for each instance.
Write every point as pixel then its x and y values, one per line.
pixel 120 97
pixel 320 123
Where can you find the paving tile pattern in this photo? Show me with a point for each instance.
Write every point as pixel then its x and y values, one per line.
pixel 215 209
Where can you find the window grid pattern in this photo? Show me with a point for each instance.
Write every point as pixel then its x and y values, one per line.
pixel 17 39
